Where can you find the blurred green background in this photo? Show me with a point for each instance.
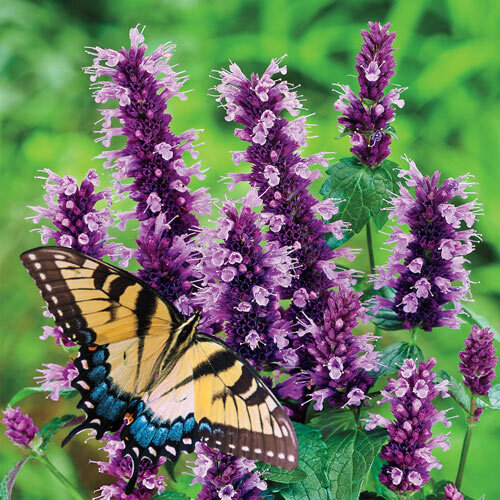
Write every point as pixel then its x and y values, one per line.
pixel 448 55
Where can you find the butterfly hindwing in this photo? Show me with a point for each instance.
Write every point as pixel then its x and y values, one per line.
pixel 235 410
pixel 95 302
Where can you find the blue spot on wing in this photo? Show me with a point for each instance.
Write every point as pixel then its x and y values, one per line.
pixel 98 357
pixel 189 425
pixel 97 374
pixel 161 436
pixel 176 431
pixel 98 392
pixel 205 426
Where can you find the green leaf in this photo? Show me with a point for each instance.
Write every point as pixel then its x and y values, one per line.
pixel 387 319
pixel 494 399
pixel 312 458
pixel 170 495
pixel 27 391
pixel 473 318
pixel 455 389
pixel 278 475
pixel 382 490
pixel 351 454
pixel 332 421
pixel 49 430
pixel 361 190
pixel 10 478
pixel 393 356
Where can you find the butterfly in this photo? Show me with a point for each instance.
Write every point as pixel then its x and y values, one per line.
pixel 144 368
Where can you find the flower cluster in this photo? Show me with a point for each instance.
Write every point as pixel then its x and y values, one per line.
pixel 451 493
pixel 339 361
pixel 478 361
pixel 225 477
pixel 240 283
pixel 121 467
pixel 426 267
pixel 71 210
pixel 282 177
pixel 20 427
pixel 153 158
pixel 366 118
pixel 56 377
pixel 409 451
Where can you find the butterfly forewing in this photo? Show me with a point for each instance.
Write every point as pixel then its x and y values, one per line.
pixel 89 298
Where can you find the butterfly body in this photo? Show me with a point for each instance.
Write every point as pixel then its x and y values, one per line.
pixel 144 369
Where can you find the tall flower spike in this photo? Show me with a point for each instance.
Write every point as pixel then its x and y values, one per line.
pixel 226 477
pixel 366 118
pixel 409 451
pixel 282 177
pixel 339 360
pixel 152 157
pixel 241 279
pixel 426 266
pixel 20 427
pixel 478 361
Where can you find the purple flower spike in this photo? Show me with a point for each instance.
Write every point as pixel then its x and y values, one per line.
pixel 153 155
pixel 20 427
pixel 426 266
pixel 478 361
pixel 451 493
pixel 226 477
pixel 121 467
pixel 409 451
pixel 241 281
pixel 366 118
pixel 55 377
pixel 281 176
pixel 71 209
pixel 338 360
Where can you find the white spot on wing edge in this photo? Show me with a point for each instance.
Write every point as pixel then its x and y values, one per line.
pixel 281 456
pixel 90 264
pixel 257 450
pixel 291 458
pixel 245 448
pixel 270 454
pixel 38 265
pixel 31 256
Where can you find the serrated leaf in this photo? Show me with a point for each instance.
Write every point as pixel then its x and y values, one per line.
pixel 49 430
pixel 28 391
pixel 278 475
pixel 312 458
pixel 332 421
pixel 360 189
pixel 473 318
pixel 170 495
pixel 393 356
pixel 493 399
pixel 10 478
pixel 455 389
pixel 351 454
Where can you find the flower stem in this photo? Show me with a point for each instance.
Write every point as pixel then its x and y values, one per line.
pixel 58 474
pixel 370 247
pixel 465 448
pixel 413 340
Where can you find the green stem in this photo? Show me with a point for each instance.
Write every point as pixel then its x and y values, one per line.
pixel 58 474
pixel 370 247
pixel 413 340
pixel 465 448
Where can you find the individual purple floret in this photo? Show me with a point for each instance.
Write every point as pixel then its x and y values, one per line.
pixel 226 477
pixel 478 361
pixel 282 177
pixel 152 157
pixel 408 454
pixel 241 279
pixel 339 360
pixel 20 427
pixel 451 493
pixel 121 467
pixel 366 118
pixel 55 377
pixel 71 210
pixel 426 266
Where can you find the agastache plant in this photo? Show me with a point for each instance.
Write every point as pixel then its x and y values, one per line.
pixel 241 280
pixel 426 266
pixel 141 86
pixel 366 117
pixel 264 277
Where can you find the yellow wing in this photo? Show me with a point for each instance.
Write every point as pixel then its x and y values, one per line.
pixel 95 302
